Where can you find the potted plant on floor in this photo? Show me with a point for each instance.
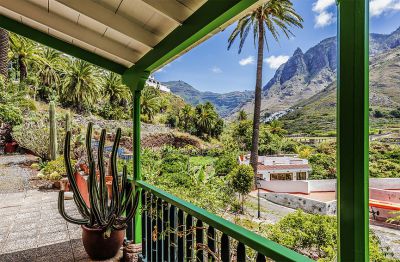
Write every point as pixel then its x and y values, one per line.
pixel 103 221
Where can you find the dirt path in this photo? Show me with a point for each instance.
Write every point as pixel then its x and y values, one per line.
pixel 15 172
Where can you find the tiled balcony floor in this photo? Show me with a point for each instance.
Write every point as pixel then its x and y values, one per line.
pixel 31 229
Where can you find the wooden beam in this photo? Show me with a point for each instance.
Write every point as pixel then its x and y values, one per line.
pixel 67 27
pixel 113 20
pixel 171 9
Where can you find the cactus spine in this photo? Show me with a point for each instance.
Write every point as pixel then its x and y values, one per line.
pixel 67 122
pixel 53 131
pixel 102 213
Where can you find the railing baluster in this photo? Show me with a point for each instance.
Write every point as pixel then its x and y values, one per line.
pixel 260 258
pixel 154 228
pixel 181 229
pixel 148 226
pixel 241 252
pixel 225 249
pixel 160 230
pixel 144 218
pixel 166 234
pixel 172 237
pixel 199 240
pixel 211 243
pixel 189 238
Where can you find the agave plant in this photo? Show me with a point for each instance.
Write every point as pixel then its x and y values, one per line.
pixel 103 213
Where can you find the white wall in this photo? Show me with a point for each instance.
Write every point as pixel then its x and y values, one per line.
pixel 326 185
pixel 285 186
pixel 384 183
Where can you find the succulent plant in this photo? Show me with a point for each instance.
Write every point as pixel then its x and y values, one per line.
pixel 103 213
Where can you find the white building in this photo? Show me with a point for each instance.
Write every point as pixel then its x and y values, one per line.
pixel 151 81
pixel 280 167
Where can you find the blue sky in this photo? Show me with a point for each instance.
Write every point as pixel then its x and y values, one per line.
pixel 211 67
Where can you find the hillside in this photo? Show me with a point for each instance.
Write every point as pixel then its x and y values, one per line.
pixel 306 74
pixel 224 103
pixel 318 113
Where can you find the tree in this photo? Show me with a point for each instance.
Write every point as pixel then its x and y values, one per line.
pixel 186 116
pixel 206 117
pixel 114 89
pixel 49 71
pixel 242 115
pixel 25 52
pixel 4 47
pixel 149 105
pixel 273 16
pixel 81 85
pixel 241 180
pixel 276 128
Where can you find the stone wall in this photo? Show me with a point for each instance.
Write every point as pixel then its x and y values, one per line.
pixel 299 202
pixel 284 186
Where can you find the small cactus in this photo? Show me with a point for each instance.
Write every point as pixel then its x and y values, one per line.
pixel 103 213
pixel 53 131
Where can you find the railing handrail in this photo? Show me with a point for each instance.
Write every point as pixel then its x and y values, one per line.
pixel 260 244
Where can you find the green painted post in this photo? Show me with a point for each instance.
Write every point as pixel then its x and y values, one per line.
pixel 136 87
pixel 352 153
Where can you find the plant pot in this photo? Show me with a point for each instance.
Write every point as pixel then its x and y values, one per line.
pixel 99 248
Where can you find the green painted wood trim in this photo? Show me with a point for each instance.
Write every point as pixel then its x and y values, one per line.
pixel 45 39
pixel 260 244
pixel 137 175
pixel 209 17
pixel 353 144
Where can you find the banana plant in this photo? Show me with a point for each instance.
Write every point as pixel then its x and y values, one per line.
pixel 103 213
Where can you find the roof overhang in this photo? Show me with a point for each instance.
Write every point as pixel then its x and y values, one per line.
pixel 130 37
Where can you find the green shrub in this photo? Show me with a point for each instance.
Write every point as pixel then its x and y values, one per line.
pixel 175 163
pixel 226 163
pixel 55 168
pixel 10 114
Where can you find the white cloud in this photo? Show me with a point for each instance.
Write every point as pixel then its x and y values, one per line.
pixel 324 19
pixel 247 61
pixel 162 69
pixel 378 7
pixel 275 61
pixel 216 70
pixel 322 5
pixel 324 15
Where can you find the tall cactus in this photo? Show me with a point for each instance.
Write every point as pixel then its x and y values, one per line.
pixel 103 213
pixel 53 131
pixel 67 121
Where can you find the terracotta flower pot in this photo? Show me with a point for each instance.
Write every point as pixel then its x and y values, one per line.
pixel 99 248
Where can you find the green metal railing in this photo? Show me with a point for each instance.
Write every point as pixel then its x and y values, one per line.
pixel 175 230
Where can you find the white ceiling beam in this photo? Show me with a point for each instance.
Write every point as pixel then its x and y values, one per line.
pixel 113 20
pixel 172 9
pixel 70 28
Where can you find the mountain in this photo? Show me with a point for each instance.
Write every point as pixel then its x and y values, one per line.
pixel 225 103
pixel 306 74
pixel 318 113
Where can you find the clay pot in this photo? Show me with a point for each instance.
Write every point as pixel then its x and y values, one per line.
pixel 84 168
pixel 99 248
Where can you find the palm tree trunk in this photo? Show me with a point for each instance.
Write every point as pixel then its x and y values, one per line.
pixel 257 100
pixel 4 47
pixel 23 73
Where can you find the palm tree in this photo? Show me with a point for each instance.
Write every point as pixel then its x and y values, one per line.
pixel 81 85
pixel 149 105
pixel 114 89
pixel 4 47
pixel 206 117
pixel 242 115
pixel 273 16
pixel 49 71
pixel 25 52
pixel 276 127
pixel 185 116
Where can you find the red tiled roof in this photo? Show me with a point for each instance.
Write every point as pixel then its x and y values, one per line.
pixel 278 167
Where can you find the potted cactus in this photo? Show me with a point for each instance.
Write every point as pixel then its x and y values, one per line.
pixel 103 219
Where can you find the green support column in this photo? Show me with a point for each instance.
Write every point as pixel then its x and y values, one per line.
pixel 353 106
pixel 136 87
